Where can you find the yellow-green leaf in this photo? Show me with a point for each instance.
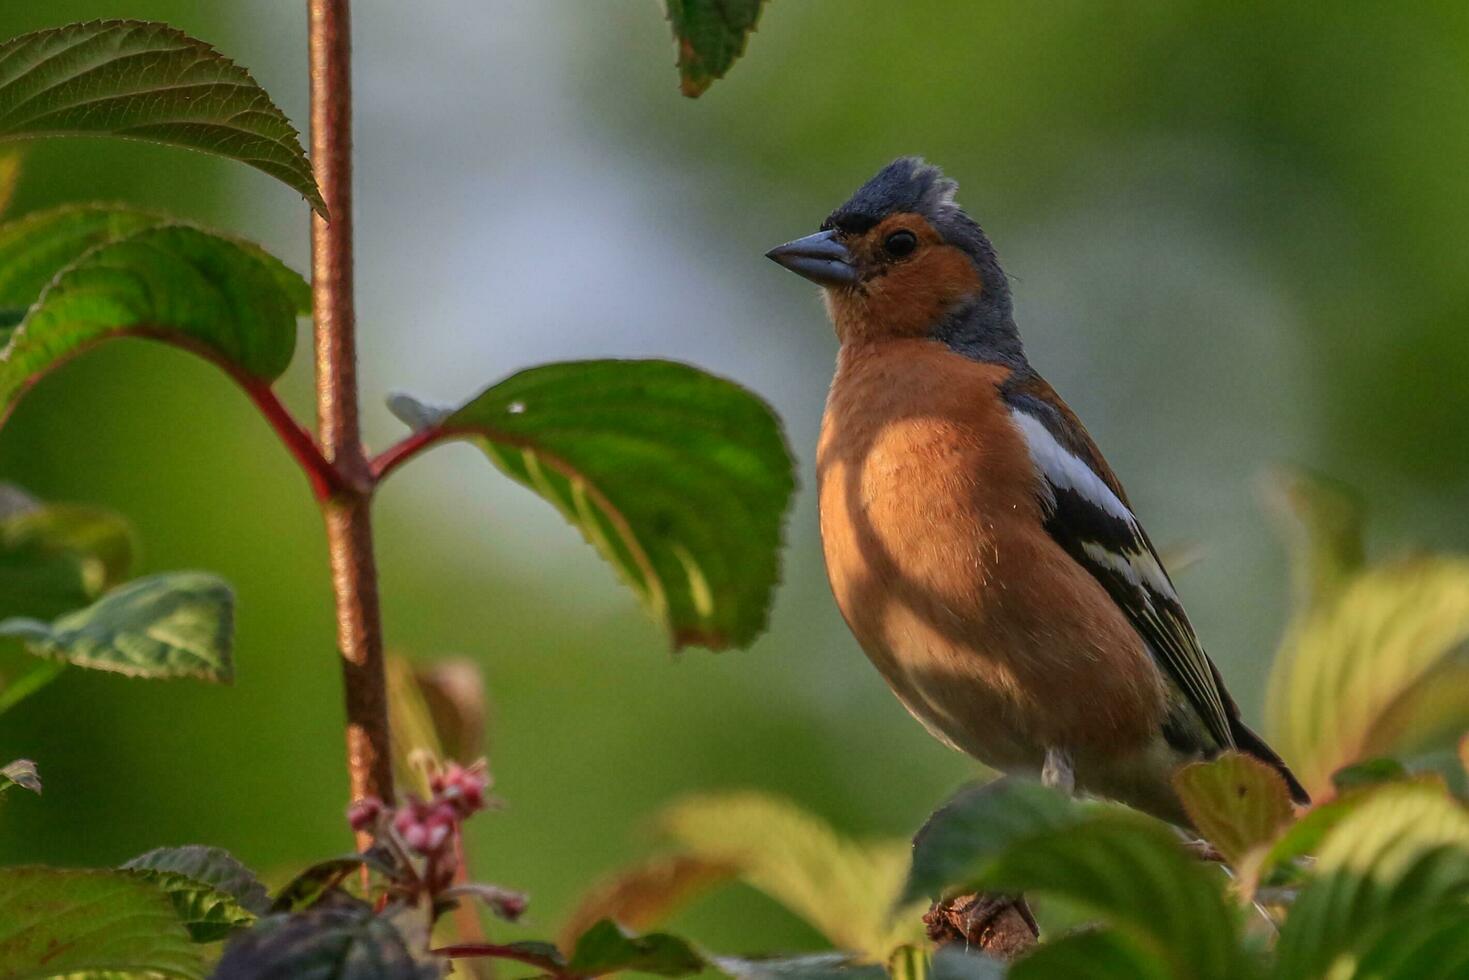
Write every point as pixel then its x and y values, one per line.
pixel 711 36
pixel 1236 801
pixel 1376 661
pixel 845 889
pixel 55 922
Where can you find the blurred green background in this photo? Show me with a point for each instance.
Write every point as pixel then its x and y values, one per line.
pixel 1237 234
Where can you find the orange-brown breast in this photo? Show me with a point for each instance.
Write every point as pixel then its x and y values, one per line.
pixel 940 563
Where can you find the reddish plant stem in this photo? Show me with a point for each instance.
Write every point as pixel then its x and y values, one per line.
pixel 323 476
pixel 348 510
pixel 405 449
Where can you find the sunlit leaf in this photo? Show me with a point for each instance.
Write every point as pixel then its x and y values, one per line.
pixel 644 895
pixel 22 773
pixel 341 943
pixel 55 922
pixel 680 479
pixel 1376 662
pixel 962 837
pixel 148 82
pixel 1134 877
pixel 227 301
pixel 1400 855
pixel 213 893
pixel 606 948
pixel 845 889
pixel 1236 801
pixel 710 35
pixel 173 625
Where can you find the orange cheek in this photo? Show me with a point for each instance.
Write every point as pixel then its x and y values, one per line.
pixel 908 300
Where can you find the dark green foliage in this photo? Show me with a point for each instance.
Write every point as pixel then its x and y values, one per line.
pixel 679 478
pixel 710 35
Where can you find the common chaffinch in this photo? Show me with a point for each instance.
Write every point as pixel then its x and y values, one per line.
pixel 979 546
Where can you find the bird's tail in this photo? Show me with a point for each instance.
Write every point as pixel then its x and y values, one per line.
pixel 1252 744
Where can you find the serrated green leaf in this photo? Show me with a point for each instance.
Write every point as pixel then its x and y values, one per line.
pixel 961 838
pixel 147 81
pixel 816 966
pixel 710 35
pixel 58 922
pixel 36 247
pixel 326 944
pixel 173 625
pixel 1376 661
pixel 845 889
pixel 1135 878
pixel 226 300
pixel 680 479
pixel 606 948
pixel 22 773
pixel 213 893
pixel 1236 801
pixel 1401 854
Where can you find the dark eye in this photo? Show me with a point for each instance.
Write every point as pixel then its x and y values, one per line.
pixel 900 243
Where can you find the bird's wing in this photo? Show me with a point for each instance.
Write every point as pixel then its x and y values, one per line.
pixel 1087 513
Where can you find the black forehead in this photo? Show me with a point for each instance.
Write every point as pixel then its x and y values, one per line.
pixel 907 185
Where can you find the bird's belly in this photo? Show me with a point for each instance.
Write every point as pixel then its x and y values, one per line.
pixel 970 621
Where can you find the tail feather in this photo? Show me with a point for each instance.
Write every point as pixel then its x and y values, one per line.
pixel 1252 744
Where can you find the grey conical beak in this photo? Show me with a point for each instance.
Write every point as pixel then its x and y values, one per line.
pixel 819 257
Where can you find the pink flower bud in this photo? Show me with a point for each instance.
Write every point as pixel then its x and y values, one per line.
pixel 362 814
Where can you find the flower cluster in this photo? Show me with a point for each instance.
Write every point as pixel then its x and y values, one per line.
pixel 421 837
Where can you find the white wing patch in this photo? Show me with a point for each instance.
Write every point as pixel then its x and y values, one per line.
pixel 1064 469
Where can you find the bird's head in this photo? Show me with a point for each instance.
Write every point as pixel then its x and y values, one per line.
pixel 901 259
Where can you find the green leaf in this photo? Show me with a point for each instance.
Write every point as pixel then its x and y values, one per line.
pixel 1431 947
pixel 963 837
pixel 845 889
pixel 213 893
pixel 326 943
pixel 1135 878
pixel 1236 801
pixel 606 948
pixel 1376 661
pixel 22 773
pixel 56 557
pixel 816 966
pixel 710 35
pixel 19 682
pixel 57 922
pixel 150 82
pixel 1368 773
pixel 174 625
pixel 36 247
pixel 222 299
pixel 680 479
pixel 1400 855
pixel 1091 955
